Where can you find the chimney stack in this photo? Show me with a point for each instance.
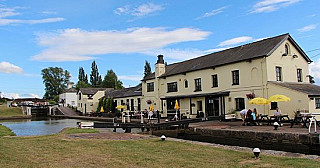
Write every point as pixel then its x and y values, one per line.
pixel 160 59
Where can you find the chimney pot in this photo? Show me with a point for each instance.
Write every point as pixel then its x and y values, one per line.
pixel 160 59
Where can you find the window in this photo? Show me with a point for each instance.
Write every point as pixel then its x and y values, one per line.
pixel 278 73
pixel 150 87
pixel 274 105
pixel 79 96
pixel 172 87
pixel 317 103
pixel 286 49
pixel 299 75
pixel 127 103
pixel 197 84
pixel 215 80
pixel 186 84
pixel 235 77
pixel 240 104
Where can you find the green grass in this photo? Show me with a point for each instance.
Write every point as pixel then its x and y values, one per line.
pixel 61 151
pixel 4 131
pixel 12 111
pixel 77 130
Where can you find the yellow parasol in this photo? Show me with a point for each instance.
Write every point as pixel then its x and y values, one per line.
pixel 176 106
pixel 259 101
pixel 151 107
pixel 120 107
pixel 101 110
pixel 279 98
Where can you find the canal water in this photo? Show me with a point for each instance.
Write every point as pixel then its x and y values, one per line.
pixel 44 126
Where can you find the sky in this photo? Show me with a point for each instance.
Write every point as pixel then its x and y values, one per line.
pixel 122 35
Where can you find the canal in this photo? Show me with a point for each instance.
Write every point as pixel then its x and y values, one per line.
pixel 46 126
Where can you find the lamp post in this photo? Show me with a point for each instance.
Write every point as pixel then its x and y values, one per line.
pixel 276 125
pixel 163 137
pixel 256 152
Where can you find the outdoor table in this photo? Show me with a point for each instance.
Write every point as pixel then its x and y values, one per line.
pixel 280 119
pixel 302 118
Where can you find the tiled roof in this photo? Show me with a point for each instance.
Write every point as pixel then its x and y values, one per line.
pixel 126 92
pixel 71 90
pixel 245 52
pixel 307 88
pixel 92 91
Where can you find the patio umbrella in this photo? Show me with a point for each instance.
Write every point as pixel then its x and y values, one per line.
pixel 151 107
pixel 120 107
pixel 279 98
pixel 101 110
pixel 176 107
pixel 259 101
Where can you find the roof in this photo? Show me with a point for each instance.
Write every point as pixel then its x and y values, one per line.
pixel 258 49
pixel 71 90
pixel 92 91
pixel 307 88
pixel 126 92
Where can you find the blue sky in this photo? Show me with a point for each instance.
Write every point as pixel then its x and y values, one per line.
pixel 122 35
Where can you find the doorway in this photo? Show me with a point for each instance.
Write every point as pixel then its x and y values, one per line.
pixel 212 107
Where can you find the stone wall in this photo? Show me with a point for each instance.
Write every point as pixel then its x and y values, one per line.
pixel 290 142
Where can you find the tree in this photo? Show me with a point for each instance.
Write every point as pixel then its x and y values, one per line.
pixel 82 79
pixel 55 80
pixel 147 69
pixel 111 80
pixel 95 78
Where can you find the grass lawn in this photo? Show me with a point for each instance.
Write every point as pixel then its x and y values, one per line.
pixel 12 111
pixel 4 131
pixel 61 151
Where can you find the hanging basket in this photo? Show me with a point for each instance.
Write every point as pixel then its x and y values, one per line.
pixel 251 96
pixel 149 101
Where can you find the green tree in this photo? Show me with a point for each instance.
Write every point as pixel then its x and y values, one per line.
pixel 55 80
pixel 111 80
pixel 147 69
pixel 82 79
pixel 95 78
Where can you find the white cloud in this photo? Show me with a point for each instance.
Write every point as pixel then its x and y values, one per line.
pixel 212 13
pixel 314 70
pixel 271 5
pixel 16 95
pixel 176 54
pixel 142 10
pixel 6 67
pixel 6 12
pixel 9 12
pixel 130 77
pixel 235 41
pixel 216 49
pixel 17 21
pixel 307 28
pixel 77 44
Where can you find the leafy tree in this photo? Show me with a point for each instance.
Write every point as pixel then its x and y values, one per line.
pixel 311 79
pixel 83 79
pixel 55 80
pixel 111 80
pixel 95 78
pixel 147 69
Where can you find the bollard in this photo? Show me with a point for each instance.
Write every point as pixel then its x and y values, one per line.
pixel 141 114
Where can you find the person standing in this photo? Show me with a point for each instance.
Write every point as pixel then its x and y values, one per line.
pixel 243 114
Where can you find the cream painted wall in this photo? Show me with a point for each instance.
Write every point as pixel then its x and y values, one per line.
pixel 135 98
pixel 299 101
pixel 89 104
pixel 288 63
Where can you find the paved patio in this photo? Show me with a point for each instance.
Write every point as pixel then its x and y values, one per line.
pixel 237 125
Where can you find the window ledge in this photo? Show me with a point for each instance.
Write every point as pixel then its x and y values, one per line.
pixel 197 90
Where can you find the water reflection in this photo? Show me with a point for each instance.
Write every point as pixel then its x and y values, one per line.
pixel 29 127
pixel 45 126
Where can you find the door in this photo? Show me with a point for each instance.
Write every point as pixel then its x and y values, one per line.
pixel 132 105
pixel 212 106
